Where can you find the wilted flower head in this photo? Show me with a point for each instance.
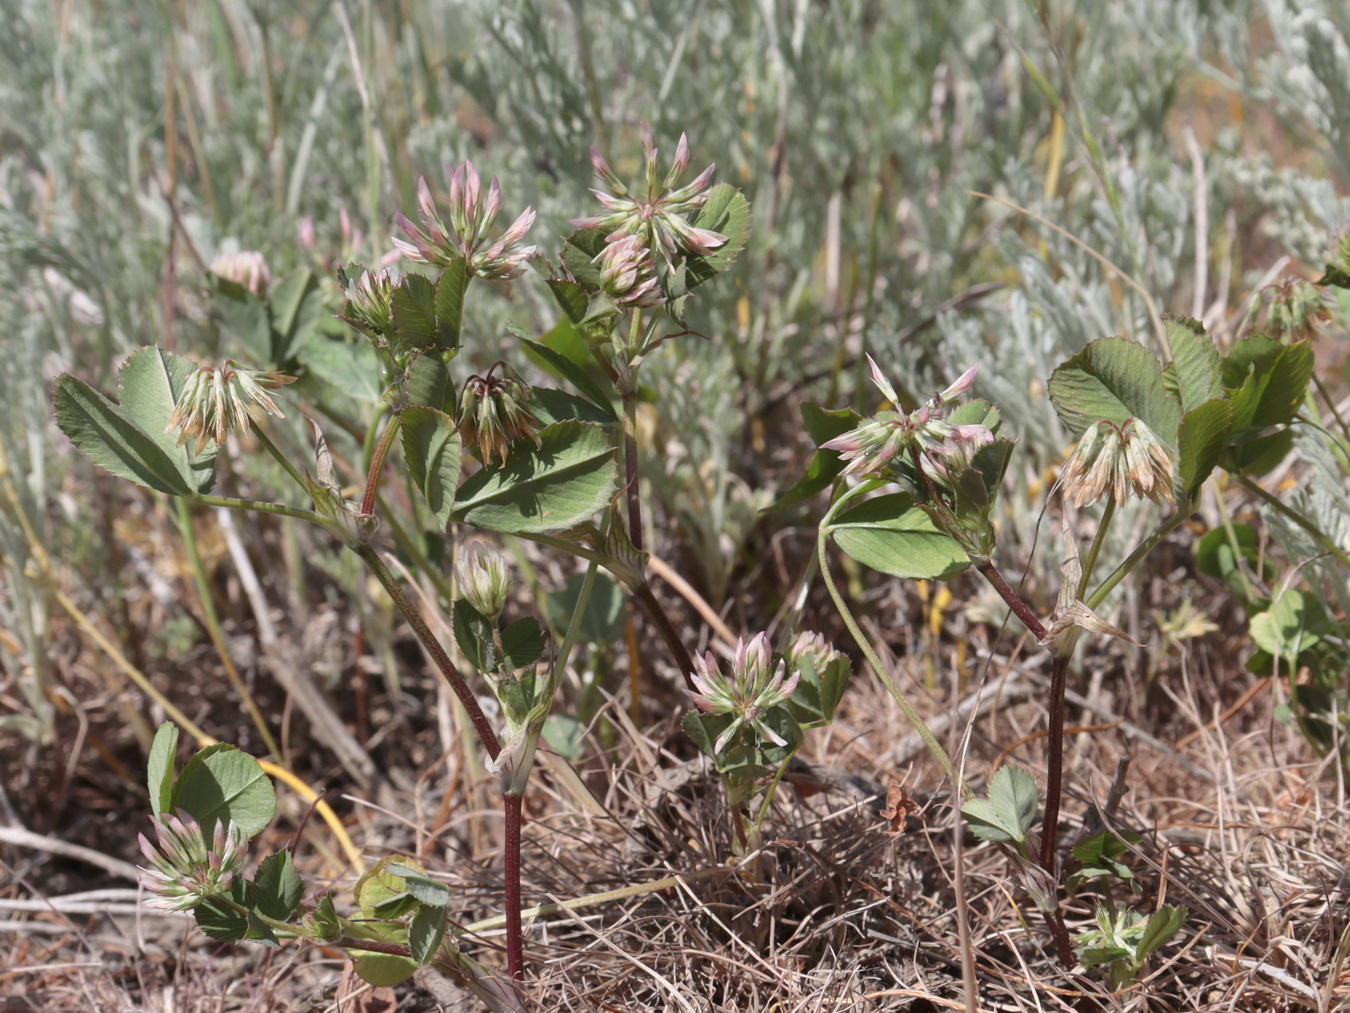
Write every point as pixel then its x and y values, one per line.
pixel 483 580
pixel 247 268
pixel 1119 461
pixel 369 298
pixel 216 400
pixel 752 689
pixel 628 274
pixel 185 870
pixel 1296 310
pixel 493 411
pixel 472 216
pixel 871 446
pixel 658 214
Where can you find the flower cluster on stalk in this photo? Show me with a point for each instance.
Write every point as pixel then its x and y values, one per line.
pixel 186 870
pixel 753 688
pixel 641 221
pixel 873 445
pixel 472 216
pixel 219 399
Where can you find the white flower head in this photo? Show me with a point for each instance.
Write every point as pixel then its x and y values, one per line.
pixel 875 442
pixel 659 213
pixel 752 689
pixel 186 870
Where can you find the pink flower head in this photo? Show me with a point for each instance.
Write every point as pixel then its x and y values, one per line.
pixel 658 215
pixel 753 688
pixel 871 446
pixel 471 220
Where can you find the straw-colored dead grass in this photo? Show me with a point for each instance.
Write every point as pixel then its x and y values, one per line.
pixel 835 913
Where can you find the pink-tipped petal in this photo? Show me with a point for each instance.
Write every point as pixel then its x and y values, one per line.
pixel 407 249
pixel 425 203
pixel 494 203
pixel 681 158
pixel 702 180
pixel 473 189
pixel 519 227
pixel 883 384
pixel 847 443
pixel 961 385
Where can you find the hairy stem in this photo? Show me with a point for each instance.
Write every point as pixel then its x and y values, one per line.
pixel 1019 608
pixel 628 390
pixel 299 513
pixel 280 458
pixel 1063 944
pixel 377 465
pixel 1098 539
pixel 1135 557
pixel 433 647
pixel 679 653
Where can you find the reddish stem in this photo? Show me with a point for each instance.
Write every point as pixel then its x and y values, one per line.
pixel 434 648
pixel 1054 766
pixel 1014 600
pixel 679 653
pixel 377 466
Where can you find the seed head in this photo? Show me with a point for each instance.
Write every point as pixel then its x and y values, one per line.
pixel 216 400
pixel 185 870
pixel 494 411
pixel 1296 310
pixel 1119 461
pixel 659 214
pixel 472 215
pixel 752 689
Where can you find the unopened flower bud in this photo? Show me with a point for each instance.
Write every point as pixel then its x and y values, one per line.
pixel 628 273
pixel 369 303
pixel 246 268
pixel 493 412
pixel 484 581
pixel 811 645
